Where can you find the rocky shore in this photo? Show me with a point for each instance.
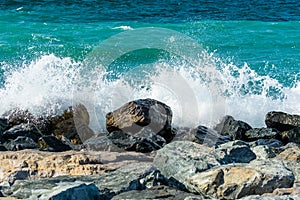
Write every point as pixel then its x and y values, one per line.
pixel 144 156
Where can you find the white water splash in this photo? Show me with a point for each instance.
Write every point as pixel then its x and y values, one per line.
pixel 51 84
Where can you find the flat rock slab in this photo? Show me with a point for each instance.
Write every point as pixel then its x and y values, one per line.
pixel 124 179
pixel 35 164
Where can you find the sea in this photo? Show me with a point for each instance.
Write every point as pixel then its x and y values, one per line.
pixel 204 59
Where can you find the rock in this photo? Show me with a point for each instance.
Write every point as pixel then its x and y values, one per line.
pixel 274 143
pixel 26 130
pixel 282 121
pixel 182 159
pixel 292 135
pixel 72 125
pixel 123 179
pixel 284 191
pixel 21 143
pixel 240 180
pixel 2 148
pixel 201 135
pixel 290 154
pixel 234 128
pixel 144 141
pixel 132 117
pixel 76 190
pixel 261 133
pixel 51 164
pixel 234 152
pixel 51 143
pixel 258 197
pixel 157 192
pixel 3 125
pixel 263 152
pixel 100 142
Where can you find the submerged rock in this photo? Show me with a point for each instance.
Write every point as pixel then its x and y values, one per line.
pixel 236 129
pixel 282 121
pixel 239 180
pixel 132 117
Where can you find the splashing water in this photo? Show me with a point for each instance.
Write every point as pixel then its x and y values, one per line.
pixel 50 84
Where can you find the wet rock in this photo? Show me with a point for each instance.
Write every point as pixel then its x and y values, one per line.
pixel 239 180
pixel 21 143
pixel 2 148
pixel 292 135
pixel 51 143
pixel 261 133
pixel 40 164
pixel 157 192
pixel 200 135
pixel 144 141
pixel 18 116
pixel 3 125
pixel 282 121
pixel 236 129
pixel 234 152
pixel 72 124
pixel 26 130
pixel 100 143
pixel 132 117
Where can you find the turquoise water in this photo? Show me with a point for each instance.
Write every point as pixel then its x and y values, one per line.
pixel 254 46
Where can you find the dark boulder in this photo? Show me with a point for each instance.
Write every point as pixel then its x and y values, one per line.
pixel 51 143
pixel 18 116
pixel 282 121
pixel 234 152
pixel 236 129
pixel 292 135
pixel 27 130
pixel 200 135
pixel 2 148
pixel 21 143
pixel 132 117
pixel 261 133
pixel 3 125
pixel 101 142
pixel 144 141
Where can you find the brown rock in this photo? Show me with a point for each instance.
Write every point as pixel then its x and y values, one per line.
pixel 132 117
pixel 236 181
pixel 291 154
pixel 39 164
pixel 282 121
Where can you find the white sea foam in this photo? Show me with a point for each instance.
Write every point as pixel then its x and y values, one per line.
pixel 51 84
pixel 125 28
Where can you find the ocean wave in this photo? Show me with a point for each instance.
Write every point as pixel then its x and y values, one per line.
pixel 50 84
